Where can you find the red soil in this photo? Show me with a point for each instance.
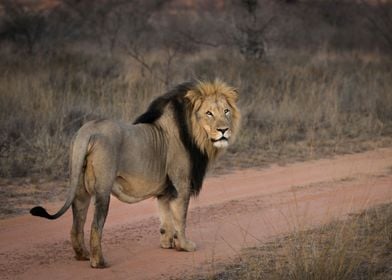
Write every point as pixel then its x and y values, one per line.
pixel 234 211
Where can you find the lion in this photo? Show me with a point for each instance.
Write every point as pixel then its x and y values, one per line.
pixel 164 153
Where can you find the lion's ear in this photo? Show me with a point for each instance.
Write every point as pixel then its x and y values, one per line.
pixel 233 94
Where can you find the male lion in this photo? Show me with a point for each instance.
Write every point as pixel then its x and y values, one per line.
pixel 164 154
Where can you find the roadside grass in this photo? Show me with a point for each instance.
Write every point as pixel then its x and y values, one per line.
pixel 359 247
pixel 295 107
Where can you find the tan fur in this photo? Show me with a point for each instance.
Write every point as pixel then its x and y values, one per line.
pixel 138 161
pixel 197 97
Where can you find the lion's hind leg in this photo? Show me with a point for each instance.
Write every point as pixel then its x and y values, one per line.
pixel 103 162
pixel 79 210
pixel 101 210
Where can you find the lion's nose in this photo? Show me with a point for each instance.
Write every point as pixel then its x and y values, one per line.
pixel 223 130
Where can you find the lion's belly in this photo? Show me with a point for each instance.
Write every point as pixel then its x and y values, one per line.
pixel 134 189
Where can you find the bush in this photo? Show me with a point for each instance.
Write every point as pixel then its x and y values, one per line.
pixel 292 108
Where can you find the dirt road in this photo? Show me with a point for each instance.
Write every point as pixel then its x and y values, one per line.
pixel 233 211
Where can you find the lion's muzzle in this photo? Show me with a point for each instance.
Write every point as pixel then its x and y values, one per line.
pixel 222 141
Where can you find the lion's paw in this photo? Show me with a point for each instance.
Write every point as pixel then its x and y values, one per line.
pixel 82 257
pixel 167 243
pixel 187 246
pixel 167 239
pixel 98 264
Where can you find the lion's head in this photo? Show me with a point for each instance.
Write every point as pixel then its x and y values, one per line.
pixel 214 117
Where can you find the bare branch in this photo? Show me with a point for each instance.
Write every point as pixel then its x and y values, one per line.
pixel 196 41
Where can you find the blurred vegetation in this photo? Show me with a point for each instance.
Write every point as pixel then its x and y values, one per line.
pixel 315 77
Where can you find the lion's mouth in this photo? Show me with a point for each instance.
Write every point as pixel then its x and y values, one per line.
pixel 221 142
pixel 223 138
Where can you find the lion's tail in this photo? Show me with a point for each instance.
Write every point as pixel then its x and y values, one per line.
pixel 78 153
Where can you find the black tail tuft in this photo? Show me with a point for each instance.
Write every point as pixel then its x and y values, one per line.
pixel 41 212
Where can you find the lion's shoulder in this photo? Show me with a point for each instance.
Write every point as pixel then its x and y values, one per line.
pixel 177 111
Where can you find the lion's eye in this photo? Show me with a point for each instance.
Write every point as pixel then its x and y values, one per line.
pixel 209 114
pixel 227 111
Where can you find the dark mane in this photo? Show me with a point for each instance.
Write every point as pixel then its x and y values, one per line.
pixel 157 106
pixel 199 159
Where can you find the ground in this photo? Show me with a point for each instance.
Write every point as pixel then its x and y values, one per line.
pixel 237 210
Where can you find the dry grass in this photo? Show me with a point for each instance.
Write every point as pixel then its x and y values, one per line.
pixel 358 248
pixel 44 101
pixel 296 106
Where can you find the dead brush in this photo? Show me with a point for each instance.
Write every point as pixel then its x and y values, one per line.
pixel 357 248
pixel 295 107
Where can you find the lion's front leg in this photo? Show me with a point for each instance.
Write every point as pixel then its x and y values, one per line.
pixel 179 209
pixel 166 230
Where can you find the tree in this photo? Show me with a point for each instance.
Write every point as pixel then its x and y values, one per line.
pixel 21 25
pixel 379 18
pixel 250 27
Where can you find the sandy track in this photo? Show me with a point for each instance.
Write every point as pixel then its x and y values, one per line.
pixel 235 210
